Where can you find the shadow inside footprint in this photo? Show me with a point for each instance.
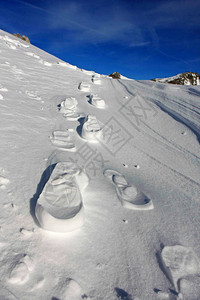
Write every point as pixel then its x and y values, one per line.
pixel 121 294
pixel 89 99
pixel 174 292
pixel 43 181
pixel 160 263
pixel 79 128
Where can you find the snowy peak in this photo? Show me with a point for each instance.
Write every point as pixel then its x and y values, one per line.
pixel 187 78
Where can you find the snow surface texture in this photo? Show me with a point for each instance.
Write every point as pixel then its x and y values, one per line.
pixel 149 142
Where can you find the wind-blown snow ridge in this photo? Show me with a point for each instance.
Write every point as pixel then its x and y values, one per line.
pixel 99 183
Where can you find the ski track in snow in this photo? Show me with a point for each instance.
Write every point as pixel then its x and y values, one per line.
pixel 76 241
pixel 177 146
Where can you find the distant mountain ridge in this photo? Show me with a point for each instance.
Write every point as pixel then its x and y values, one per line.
pixel 117 75
pixel 187 78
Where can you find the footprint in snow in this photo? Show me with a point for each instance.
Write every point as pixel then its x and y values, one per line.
pixel 97 101
pixel 182 267
pixel 73 291
pixel 20 270
pixel 63 140
pixel 68 108
pixel 190 288
pixel 69 103
pixel 96 80
pixel 84 87
pixel 129 196
pixel 91 129
pixel 60 207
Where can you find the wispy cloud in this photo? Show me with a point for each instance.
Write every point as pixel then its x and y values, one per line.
pixel 139 44
pixel 103 21
pixel 122 22
pixel 33 6
pixel 91 22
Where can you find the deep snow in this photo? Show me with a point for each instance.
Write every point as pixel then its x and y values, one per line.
pixel 138 143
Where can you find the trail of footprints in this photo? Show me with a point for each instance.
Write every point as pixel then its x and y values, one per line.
pixel 60 206
pixel 63 187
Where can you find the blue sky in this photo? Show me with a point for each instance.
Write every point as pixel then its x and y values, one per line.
pixel 141 39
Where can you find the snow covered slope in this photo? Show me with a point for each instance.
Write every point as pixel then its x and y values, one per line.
pixel 99 183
